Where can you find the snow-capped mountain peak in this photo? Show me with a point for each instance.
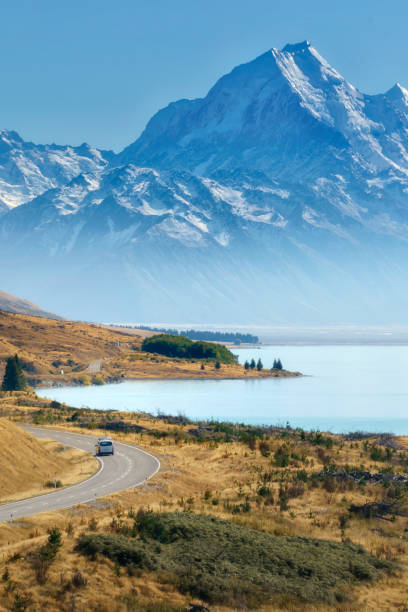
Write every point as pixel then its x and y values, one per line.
pixel 284 181
pixel 282 101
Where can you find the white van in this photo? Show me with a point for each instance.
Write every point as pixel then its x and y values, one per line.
pixel 105 447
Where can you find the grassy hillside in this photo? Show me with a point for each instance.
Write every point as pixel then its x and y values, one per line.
pixel 286 502
pixel 46 346
pixel 69 352
pixel 27 464
pixel 10 303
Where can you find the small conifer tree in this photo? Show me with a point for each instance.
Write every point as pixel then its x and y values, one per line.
pixel 246 365
pixel 277 364
pixel 252 365
pixel 217 365
pixel 259 365
pixel 14 379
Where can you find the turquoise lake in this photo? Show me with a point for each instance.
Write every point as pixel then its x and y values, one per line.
pixel 347 388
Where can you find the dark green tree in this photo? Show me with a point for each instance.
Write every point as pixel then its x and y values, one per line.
pixel 246 365
pixel 252 365
pixel 55 539
pixel 259 365
pixel 14 379
pixel 277 364
pixel 217 365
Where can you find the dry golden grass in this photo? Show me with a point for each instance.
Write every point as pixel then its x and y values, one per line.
pixel 209 477
pixel 48 347
pixel 27 464
pixel 43 342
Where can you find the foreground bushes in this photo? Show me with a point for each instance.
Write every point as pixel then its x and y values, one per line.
pixel 224 563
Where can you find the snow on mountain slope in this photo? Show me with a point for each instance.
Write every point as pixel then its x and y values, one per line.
pixel 285 108
pixel 27 170
pixel 129 204
pixel 280 196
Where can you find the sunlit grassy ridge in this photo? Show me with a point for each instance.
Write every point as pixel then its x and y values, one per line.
pixel 60 352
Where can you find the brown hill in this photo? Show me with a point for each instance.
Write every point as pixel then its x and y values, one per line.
pixel 25 462
pixel 10 303
pixel 48 347
pixel 56 352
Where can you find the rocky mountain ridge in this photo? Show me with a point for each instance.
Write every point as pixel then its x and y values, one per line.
pixel 284 180
pixel 28 170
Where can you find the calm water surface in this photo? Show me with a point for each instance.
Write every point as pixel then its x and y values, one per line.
pixel 348 388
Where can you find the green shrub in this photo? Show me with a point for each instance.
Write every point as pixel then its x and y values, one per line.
pixel 118 548
pixel 184 348
pixel 301 475
pixel 98 379
pixel 224 563
pixel 318 439
pixel 84 379
pixel 282 457
pixel 377 454
pixel 265 448
pixel 43 558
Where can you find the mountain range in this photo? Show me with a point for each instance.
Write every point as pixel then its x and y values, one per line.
pixel 281 197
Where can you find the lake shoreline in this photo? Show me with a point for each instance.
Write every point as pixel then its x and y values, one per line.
pixel 57 385
pixel 350 388
pixel 262 375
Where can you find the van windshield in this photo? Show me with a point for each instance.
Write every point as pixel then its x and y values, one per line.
pixel 105 443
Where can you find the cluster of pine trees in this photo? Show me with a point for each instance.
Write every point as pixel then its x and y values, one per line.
pixel 251 365
pixel 14 379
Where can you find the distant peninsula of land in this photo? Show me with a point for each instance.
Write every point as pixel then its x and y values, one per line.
pixel 61 352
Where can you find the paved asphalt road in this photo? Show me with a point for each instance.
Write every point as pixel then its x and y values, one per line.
pixel 128 467
pixel 95 366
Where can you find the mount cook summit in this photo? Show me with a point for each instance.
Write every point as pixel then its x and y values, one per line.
pixel 281 197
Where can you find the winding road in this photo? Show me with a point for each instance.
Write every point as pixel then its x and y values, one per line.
pixel 128 467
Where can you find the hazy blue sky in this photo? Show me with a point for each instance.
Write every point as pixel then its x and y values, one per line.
pixel 96 70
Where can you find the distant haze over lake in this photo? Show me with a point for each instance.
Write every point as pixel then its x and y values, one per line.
pixel 301 335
